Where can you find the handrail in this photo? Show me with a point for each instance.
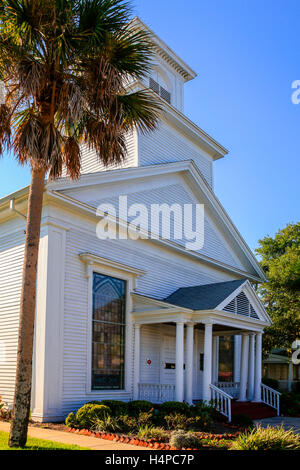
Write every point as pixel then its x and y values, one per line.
pixel 221 401
pixel 271 397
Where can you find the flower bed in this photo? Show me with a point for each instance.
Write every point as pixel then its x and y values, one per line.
pixel 166 426
pixel 207 439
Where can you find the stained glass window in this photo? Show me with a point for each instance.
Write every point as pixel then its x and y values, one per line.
pixel 109 308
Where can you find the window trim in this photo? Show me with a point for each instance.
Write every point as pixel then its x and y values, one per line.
pixel 123 335
pixel 96 264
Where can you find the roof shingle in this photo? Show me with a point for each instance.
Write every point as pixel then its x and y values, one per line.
pixel 206 297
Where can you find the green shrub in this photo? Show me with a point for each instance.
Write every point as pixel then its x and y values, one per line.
pixel 181 439
pixel 241 420
pixel 201 422
pixel 87 414
pixel 202 407
pixel 124 423
pixel 107 424
pixel 71 421
pixel 117 407
pixel 204 415
pixel 273 383
pixel 176 421
pixel 128 424
pixel 139 406
pixel 145 418
pixel 269 438
pixel 174 407
pixel 151 432
pixel 290 404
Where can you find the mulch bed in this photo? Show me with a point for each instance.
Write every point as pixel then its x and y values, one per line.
pixel 152 443
pixel 219 431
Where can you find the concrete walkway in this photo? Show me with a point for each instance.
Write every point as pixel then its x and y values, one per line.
pixel 287 423
pixel 74 439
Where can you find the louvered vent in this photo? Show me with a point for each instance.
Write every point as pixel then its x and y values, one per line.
pixel 154 85
pixel 241 306
pixel 160 90
pixel 165 95
pixel 231 307
pixel 253 313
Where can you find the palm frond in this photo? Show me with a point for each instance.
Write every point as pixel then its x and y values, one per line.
pixel 66 65
pixel 141 110
pixel 5 127
pixel 72 157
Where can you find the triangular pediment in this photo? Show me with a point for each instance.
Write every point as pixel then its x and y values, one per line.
pixel 244 302
pixel 173 183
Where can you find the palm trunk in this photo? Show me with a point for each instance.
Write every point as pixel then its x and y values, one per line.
pixel 21 410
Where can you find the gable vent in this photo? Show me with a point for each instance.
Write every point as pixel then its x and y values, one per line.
pixel 154 85
pixel 160 90
pixel 241 306
pixel 165 95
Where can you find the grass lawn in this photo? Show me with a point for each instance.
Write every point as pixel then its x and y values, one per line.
pixel 37 444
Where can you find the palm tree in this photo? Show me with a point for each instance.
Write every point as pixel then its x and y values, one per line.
pixel 65 65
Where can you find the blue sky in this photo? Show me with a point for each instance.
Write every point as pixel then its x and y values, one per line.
pixel 246 54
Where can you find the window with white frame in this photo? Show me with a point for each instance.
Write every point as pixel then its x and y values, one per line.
pixel 108 332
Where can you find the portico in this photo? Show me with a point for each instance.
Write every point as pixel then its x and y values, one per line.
pixel 181 379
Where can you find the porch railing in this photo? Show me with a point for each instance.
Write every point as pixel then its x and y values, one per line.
pixel 221 401
pixel 232 388
pixel 156 393
pixel 270 397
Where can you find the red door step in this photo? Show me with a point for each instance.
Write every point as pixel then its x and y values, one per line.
pixel 253 410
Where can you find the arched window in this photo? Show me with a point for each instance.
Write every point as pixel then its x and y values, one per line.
pixel 109 310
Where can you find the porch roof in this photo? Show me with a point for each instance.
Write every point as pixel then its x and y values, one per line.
pixel 230 304
pixel 205 297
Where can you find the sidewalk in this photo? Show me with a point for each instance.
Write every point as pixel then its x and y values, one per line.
pixel 286 422
pixel 69 438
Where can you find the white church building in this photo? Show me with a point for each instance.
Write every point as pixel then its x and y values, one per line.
pixel 141 318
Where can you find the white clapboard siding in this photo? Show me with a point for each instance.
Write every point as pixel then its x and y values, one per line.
pixel 215 245
pixel 164 274
pixel 167 144
pixel 90 163
pixel 11 263
pixel 150 349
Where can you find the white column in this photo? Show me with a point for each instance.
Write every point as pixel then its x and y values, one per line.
pixel 244 368
pixel 215 359
pixel 237 358
pixel 179 392
pixel 206 395
pixel 257 381
pixel 251 367
pixel 189 366
pixel 137 353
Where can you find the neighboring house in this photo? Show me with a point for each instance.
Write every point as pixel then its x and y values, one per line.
pixel 126 319
pixel 279 366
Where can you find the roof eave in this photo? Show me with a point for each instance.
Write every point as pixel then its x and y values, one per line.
pixel 166 52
